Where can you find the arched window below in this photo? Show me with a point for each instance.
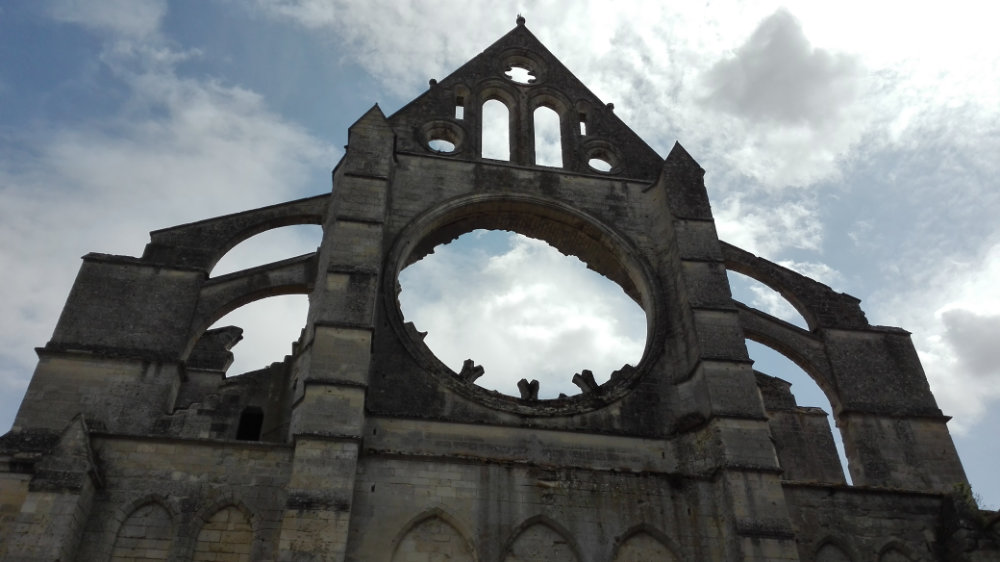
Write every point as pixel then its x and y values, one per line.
pixel 496 130
pixel 548 138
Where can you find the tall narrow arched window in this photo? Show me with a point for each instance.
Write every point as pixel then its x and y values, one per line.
pixel 548 138
pixel 496 130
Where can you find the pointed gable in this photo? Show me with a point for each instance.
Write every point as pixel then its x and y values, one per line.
pixel 451 111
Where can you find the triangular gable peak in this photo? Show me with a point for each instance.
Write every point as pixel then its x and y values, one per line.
pixel 451 111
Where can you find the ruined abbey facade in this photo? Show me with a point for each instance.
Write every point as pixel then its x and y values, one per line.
pixel 133 443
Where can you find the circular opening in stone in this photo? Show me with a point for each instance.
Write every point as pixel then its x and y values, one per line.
pixel 441 145
pixel 522 310
pixel 442 136
pixel 601 157
pixel 599 164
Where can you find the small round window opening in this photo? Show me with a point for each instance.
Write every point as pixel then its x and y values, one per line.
pixel 599 164
pixel 441 145
pixel 442 137
pixel 602 158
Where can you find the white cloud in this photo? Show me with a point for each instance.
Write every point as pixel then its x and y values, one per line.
pixel 178 150
pixel 767 228
pixel 829 82
pixel 526 311
pixel 132 18
pixel 974 339
pixel 777 76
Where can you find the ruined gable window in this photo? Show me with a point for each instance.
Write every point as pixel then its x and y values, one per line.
pixel 496 130
pixel 548 143
pixel 583 124
pixel 251 424
pixel 459 107
pixel 520 75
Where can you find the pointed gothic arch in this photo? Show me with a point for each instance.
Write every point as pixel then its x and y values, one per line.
pixel 642 543
pixel 227 531
pixel 146 532
pixel 433 533
pixel 895 551
pixel 832 550
pixel 541 539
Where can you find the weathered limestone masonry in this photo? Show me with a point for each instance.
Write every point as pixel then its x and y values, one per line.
pixel 133 444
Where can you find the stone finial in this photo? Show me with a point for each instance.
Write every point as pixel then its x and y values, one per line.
pixel 470 371
pixel 519 20
pixel 529 390
pixel 585 380
pixel 433 82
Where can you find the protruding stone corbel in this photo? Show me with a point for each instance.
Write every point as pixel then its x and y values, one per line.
pixel 470 371
pixel 529 390
pixel 415 332
pixel 585 380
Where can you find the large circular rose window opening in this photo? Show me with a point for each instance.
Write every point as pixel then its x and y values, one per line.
pixel 523 298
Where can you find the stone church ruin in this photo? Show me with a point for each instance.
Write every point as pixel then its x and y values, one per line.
pixel 132 443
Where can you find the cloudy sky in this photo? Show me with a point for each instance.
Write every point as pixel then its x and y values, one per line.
pixel 856 142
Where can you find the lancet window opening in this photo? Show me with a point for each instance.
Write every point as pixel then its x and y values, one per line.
pixel 547 136
pixel 495 130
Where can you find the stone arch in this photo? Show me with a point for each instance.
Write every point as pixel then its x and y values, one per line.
pixel 765 277
pixel 146 532
pixel 818 304
pixel 221 295
pixel 566 228
pixel 895 551
pixel 293 240
pixel 831 550
pixel 806 352
pixel 557 102
pixel 227 531
pixel 799 346
pixel 746 289
pixel 431 536
pixel 642 543
pixel 540 539
pixel 571 231
pixel 544 96
pixel 202 244
pixel 496 91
